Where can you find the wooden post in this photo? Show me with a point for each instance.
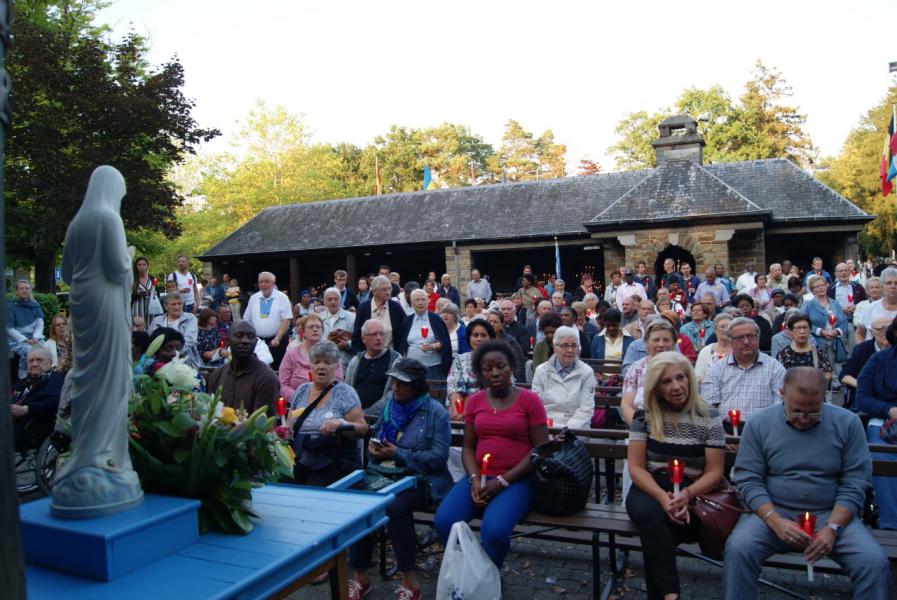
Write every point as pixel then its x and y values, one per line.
pixel 294 279
pixel 351 269
pixel 12 570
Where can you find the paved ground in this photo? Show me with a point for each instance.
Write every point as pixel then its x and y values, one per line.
pixel 540 570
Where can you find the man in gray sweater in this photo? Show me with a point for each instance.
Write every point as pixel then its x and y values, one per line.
pixel 804 456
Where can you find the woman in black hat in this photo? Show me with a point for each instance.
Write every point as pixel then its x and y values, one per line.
pixel 413 434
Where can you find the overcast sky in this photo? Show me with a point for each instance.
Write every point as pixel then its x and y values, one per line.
pixel 356 67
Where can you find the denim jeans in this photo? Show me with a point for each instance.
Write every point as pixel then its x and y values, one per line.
pixel 855 550
pixel 885 487
pixel 499 517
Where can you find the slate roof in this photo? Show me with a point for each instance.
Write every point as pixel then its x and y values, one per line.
pixel 776 190
pixel 677 189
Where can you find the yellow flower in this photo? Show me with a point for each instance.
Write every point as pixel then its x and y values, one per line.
pixel 292 454
pixel 228 416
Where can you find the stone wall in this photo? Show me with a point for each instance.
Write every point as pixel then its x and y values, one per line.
pixel 709 245
pixel 459 280
pixel 746 247
pixel 614 256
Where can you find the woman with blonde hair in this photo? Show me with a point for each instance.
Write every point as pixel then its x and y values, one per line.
pixel 675 424
pixel 60 343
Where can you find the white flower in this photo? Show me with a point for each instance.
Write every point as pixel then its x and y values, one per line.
pixel 178 374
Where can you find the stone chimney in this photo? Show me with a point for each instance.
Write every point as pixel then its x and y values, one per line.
pixel 679 140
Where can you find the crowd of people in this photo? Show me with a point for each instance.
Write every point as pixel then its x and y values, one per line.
pixel 771 345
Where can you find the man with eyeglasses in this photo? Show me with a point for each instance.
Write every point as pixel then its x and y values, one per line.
pixel 804 456
pixel 746 380
pixel 367 370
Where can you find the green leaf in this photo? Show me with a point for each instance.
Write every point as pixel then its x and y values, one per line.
pixel 181 454
pixel 183 422
pixel 241 520
pixel 168 429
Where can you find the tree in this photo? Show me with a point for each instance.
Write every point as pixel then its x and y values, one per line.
pixel 524 157
pixel 759 126
pixel 80 102
pixel 588 167
pixel 854 174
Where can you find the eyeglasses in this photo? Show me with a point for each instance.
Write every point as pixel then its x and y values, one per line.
pixel 567 346
pixel 813 416
pixel 801 328
pixel 743 339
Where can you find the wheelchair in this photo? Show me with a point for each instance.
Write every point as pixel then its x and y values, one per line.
pixel 37 463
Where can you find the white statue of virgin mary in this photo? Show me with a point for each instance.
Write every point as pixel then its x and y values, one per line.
pixel 98 479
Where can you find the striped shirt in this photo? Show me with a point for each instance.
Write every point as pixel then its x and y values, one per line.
pixel 730 386
pixel 685 438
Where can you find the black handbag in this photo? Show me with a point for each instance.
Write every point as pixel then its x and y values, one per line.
pixel 563 477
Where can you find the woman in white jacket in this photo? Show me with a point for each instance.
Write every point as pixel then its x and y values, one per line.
pixel 565 383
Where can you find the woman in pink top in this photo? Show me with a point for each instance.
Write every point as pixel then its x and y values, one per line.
pixel 505 423
pixel 294 367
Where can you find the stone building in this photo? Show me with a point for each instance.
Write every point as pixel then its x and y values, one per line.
pixel 758 211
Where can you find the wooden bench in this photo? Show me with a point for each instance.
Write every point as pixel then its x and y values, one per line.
pixel 604 524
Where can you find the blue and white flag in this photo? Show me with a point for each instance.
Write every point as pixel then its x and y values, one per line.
pixel 557 259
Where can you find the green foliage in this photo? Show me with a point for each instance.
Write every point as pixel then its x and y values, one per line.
pixel 524 157
pixel 759 126
pixel 854 173
pixel 183 443
pixel 49 303
pixel 82 101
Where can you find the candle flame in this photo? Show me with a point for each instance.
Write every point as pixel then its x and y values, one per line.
pixel 806 516
pixel 675 463
pixel 486 458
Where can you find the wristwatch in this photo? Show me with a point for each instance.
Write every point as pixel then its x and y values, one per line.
pixel 834 527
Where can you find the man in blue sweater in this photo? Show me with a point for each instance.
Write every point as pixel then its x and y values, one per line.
pixel 804 456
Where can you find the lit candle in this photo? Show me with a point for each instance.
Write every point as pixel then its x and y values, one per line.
pixel 807 523
pixel 850 298
pixel 484 469
pixel 550 422
pixel 676 469
pixel 831 320
pixel 189 282
pixel 310 376
pixel 424 331
pixel 734 419
pixel 282 410
pixel 532 341
pixel 154 282
pixel 222 344
pixel 459 406
pixel 701 334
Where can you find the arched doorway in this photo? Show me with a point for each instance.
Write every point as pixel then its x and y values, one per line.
pixel 678 254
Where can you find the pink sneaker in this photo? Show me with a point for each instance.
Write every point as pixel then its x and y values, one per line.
pixel 358 590
pixel 404 593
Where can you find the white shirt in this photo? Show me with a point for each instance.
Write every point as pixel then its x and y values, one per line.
pixel 266 314
pixel 745 282
pixel 875 310
pixel 628 291
pixel 183 282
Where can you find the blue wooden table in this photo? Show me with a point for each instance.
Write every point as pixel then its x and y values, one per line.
pixel 304 531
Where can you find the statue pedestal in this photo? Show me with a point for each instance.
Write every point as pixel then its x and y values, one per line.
pixel 108 547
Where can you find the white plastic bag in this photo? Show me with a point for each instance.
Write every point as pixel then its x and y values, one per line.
pixel 467 572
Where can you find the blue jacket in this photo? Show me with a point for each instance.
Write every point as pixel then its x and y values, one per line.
pixel 396 316
pixel 463 346
pixel 598 345
pixel 452 294
pixel 423 447
pixel 819 318
pixel 877 384
pixel 21 313
pixel 439 330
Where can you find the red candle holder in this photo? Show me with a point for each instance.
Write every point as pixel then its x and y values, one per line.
pixel 459 406
pixel 189 282
pixel 222 344
pixel 734 419
pixel 550 422
pixel 154 282
pixel 850 298
pixel 807 523
pixel 424 332
pixel 702 333
pixel 281 407
pixel 831 320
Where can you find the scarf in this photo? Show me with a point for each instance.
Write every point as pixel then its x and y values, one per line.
pixel 397 416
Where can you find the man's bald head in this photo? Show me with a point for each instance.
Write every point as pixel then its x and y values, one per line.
pixel 806 380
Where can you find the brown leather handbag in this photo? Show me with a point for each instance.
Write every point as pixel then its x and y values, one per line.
pixel 717 513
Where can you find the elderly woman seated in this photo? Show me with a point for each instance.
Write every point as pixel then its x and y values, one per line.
pixel 24 325
pixel 412 436
pixel 35 400
pixel 565 383
pixel 184 322
pixel 322 457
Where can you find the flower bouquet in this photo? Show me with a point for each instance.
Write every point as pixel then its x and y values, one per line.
pixel 187 443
